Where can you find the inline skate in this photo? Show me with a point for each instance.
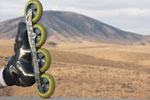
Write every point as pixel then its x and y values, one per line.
pixel 41 59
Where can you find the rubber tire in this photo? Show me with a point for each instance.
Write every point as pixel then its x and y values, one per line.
pixel 50 90
pixel 39 10
pixel 43 35
pixel 48 59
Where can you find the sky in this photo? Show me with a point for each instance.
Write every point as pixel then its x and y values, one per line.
pixel 128 15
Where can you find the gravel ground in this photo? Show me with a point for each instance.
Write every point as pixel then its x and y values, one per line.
pixel 36 98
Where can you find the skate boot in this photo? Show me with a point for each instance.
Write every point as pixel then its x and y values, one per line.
pixel 40 57
pixel 19 70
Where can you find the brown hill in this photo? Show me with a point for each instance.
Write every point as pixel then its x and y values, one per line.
pixel 73 27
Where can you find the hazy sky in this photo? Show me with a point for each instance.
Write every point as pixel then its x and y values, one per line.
pixel 129 15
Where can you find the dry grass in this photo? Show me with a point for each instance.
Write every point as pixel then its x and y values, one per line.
pixel 95 71
pixel 132 54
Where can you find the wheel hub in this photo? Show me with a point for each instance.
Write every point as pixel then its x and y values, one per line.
pixel 44 85
pixel 34 9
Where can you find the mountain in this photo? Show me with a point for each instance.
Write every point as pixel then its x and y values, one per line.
pixel 73 27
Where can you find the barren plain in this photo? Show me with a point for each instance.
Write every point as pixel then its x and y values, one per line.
pixel 91 70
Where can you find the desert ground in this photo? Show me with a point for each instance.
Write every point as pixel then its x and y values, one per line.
pixel 91 70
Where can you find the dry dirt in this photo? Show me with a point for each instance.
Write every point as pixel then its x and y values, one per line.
pixel 92 70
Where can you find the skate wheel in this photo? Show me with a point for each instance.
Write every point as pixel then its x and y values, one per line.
pixel 48 84
pixel 44 59
pixel 40 35
pixel 36 6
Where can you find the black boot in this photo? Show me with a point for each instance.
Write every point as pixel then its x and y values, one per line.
pixel 19 70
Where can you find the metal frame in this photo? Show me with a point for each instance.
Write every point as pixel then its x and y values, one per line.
pixel 31 37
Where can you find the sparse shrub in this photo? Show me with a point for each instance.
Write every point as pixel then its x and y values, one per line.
pixel 52 44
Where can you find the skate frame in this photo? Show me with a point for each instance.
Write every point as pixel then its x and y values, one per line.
pixel 31 38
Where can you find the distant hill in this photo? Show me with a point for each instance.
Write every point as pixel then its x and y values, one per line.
pixel 73 27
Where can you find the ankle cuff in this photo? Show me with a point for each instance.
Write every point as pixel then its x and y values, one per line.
pixel 7 78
